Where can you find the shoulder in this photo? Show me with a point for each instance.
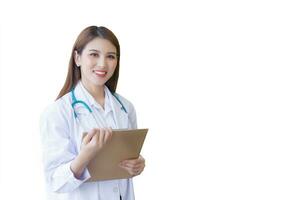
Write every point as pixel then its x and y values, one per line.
pixel 57 119
pixel 59 109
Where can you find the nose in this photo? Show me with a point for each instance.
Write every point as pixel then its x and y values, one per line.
pixel 101 61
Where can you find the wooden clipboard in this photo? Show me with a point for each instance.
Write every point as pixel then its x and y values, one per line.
pixel 124 144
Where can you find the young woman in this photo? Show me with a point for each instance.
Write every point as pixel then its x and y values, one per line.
pixel 88 102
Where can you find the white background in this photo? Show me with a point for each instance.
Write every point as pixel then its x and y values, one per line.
pixel 217 83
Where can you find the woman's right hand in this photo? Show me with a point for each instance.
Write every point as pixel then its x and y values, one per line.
pixel 94 141
pixel 91 144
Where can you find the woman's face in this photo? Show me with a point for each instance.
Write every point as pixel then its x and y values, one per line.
pixel 97 62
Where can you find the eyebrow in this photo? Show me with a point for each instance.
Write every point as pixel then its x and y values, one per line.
pixel 100 51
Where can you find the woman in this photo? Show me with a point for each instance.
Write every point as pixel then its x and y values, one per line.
pixel 92 78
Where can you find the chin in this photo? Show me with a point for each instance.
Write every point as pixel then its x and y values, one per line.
pixel 98 83
pixel 95 81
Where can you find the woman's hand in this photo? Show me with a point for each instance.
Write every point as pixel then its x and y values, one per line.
pixel 92 143
pixel 134 166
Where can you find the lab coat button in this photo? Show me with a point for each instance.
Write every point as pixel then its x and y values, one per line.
pixel 115 190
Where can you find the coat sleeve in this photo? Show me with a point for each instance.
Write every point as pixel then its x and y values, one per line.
pixel 132 116
pixel 59 150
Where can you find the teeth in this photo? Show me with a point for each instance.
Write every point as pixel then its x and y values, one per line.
pixel 100 73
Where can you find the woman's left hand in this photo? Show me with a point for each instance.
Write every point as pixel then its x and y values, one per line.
pixel 134 166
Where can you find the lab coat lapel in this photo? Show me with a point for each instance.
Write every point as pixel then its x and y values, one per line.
pixel 120 116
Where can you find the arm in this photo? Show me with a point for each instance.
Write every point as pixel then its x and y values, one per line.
pixel 58 150
pixel 64 167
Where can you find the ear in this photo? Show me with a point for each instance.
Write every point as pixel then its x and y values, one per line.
pixel 77 58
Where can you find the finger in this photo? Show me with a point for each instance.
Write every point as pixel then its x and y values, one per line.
pixel 95 136
pixel 101 135
pixel 134 172
pixel 108 135
pixel 139 171
pixel 133 161
pixel 133 165
pixel 142 158
pixel 129 170
pixel 105 131
pixel 139 167
pixel 110 130
pixel 88 136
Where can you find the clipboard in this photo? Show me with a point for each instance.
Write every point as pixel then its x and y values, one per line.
pixel 124 144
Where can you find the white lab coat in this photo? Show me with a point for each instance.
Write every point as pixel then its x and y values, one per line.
pixel 61 139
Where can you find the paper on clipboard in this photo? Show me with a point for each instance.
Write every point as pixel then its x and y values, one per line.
pixel 124 144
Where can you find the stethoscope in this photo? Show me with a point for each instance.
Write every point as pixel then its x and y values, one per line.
pixel 75 102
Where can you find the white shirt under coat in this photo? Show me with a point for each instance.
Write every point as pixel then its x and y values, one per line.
pixel 61 137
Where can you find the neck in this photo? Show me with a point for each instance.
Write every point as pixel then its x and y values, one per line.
pixel 97 91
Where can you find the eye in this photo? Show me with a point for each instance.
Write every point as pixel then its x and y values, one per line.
pixel 111 57
pixel 94 55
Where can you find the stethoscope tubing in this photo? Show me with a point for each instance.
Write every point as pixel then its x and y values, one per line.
pixel 75 102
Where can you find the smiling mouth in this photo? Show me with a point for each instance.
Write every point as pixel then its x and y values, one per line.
pixel 100 73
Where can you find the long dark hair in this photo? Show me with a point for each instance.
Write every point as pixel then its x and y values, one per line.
pixel 87 35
